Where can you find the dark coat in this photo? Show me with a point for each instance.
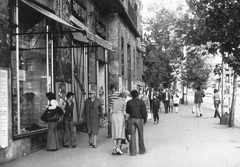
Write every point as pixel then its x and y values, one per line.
pixel 92 112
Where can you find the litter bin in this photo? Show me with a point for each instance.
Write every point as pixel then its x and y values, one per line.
pixel 224 120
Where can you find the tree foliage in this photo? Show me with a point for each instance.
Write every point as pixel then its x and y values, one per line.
pixel 167 30
pixel 218 22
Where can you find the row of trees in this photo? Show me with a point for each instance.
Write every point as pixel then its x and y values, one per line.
pixel 165 37
pixel 207 27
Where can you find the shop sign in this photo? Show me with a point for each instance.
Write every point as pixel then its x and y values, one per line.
pixel 4 108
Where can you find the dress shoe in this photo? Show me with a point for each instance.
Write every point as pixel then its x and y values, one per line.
pixel 200 115
pixel 51 149
pixel 94 146
pixel 114 152
pixel 66 146
pixel 90 144
pixel 73 146
pixel 119 152
pixel 109 136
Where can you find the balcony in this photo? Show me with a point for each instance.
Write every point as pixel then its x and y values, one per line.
pixel 117 6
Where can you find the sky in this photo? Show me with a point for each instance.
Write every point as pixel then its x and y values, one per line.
pixel 171 4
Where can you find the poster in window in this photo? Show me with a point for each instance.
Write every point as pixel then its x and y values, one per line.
pixel 4 108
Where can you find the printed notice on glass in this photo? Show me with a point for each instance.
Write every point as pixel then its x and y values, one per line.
pixel 4 108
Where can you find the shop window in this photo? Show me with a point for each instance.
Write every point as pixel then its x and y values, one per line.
pixel 30 78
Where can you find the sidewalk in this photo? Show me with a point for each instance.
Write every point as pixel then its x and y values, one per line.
pixel 179 140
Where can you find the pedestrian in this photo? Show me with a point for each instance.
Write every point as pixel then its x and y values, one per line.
pixel 216 102
pixel 52 136
pixel 176 101
pixel 92 112
pixel 118 123
pixel 69 133
pixel 171 101
pixel 145 98
pixel 156 105
pixel 127 96
pixel 166 100
pixel 138 117
pixel 198 100
pixel 113 95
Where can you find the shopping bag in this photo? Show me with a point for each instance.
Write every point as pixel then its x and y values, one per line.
pixel 149 116
pixel 193 108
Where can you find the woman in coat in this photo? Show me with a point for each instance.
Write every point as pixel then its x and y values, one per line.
pixel 52 136
pixel 92 112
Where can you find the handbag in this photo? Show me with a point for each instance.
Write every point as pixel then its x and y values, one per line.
pixel 51 115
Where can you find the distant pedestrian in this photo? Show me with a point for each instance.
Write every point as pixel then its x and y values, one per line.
pixel 145 98
pixel 156 105
pixel 113 95
pixel 138 116
pixel 69 133
pixel 176 100
pixel 171 101
pixel 92 112
pixel 127 96
pixel 52 136
pixel 166 100
pixel 198 100
pixel 216 102
pixel 118 123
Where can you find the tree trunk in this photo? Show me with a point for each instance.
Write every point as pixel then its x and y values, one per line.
pixel 233 104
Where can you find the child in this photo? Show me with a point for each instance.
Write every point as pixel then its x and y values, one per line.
pixel 176 101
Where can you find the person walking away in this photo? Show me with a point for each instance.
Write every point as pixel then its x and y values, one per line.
pixel 145 98
pixel 92 112
pixel 166 100
pixel 176 101
pixel 198 100
pixel 118 123
pixel 111 97
pixel 138 116
pixel 52 136
pixel 69 134
pixel 216 102
pixel 156 105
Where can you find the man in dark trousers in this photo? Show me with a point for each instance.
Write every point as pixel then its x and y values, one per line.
pixel 156 105
pixel 166 100
pixel 138 117
pixel 68 122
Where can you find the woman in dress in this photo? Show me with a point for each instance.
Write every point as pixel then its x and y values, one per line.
pixel 52 136
pixel 118 123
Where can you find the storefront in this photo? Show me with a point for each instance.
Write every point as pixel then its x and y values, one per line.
pixel 48 54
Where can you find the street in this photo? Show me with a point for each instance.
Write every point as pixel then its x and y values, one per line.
pixel 179 140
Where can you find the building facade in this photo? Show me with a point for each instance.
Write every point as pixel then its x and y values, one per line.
pixel 59 46
pixel 125 61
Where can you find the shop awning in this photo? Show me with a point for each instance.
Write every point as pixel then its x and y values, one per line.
pixel 91 36
pixel 49 14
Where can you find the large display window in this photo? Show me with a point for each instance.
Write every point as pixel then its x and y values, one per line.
pixel 32 70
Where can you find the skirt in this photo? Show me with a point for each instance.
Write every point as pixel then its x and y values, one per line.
pixel 118 126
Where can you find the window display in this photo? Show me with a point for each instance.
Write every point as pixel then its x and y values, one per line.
pixel 31 73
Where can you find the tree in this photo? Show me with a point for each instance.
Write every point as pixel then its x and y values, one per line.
pixel 218 22
pixel 168 29
pixel 196 71
pixel 161 32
